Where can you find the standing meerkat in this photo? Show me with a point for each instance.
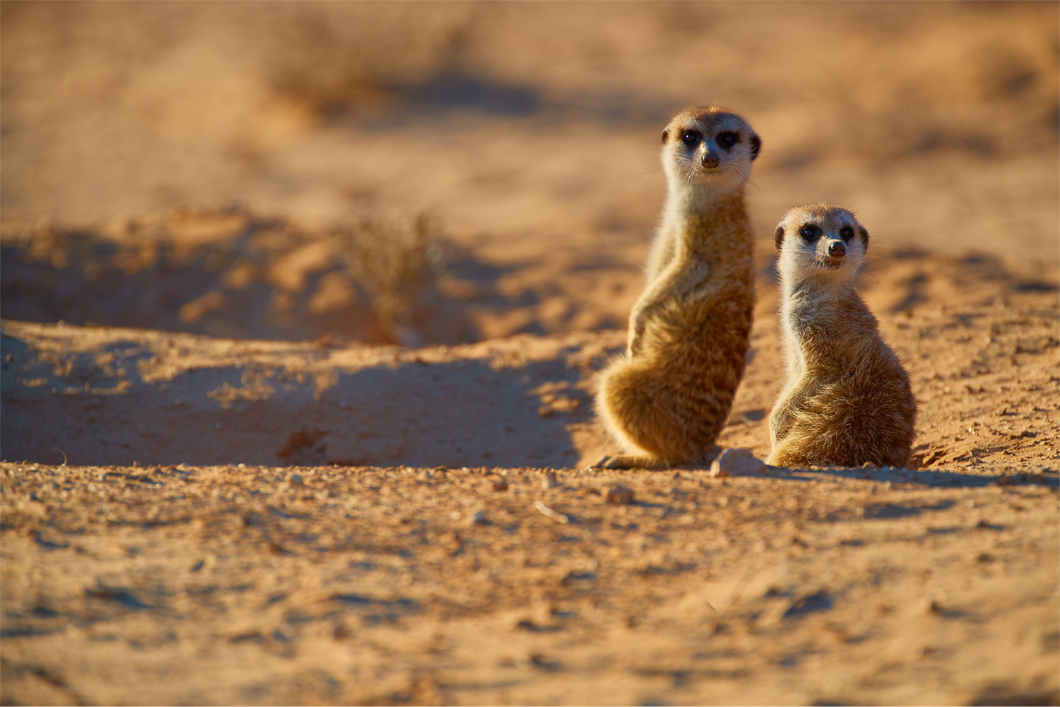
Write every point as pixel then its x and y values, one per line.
pixel 847 400
pixel 668 397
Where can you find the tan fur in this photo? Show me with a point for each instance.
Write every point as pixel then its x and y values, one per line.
pixel 668 397
pixel 847 400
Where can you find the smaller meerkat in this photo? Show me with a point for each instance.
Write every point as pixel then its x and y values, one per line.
pixel 667 399
pixel 847 400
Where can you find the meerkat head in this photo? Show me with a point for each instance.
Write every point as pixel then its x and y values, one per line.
pixel 820 242
pixel 709 147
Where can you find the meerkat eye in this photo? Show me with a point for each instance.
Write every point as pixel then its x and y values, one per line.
pixel 727 139
pixel 808 232
pixel 691 137
pixel 846 233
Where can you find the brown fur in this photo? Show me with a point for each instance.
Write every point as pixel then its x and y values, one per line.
pixel 848 400
pixel 668 398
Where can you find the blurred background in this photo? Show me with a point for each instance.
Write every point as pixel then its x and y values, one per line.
pixel 443 172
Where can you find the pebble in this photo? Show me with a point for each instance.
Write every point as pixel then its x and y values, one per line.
pixel 550 481
pixel 500 485
pixel 738 462
pixel 548 512
pixel 295 480
pixel 479 518
pixel 619 495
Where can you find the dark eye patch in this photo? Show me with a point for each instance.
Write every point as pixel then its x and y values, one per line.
pixel 727 139
pixel 691 137
pixel 846 233
pixel 809 232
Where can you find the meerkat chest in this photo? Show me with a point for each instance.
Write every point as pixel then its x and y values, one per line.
pixel 819 332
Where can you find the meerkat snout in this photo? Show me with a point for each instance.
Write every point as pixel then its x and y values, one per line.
pixel 710 161
pixel 836 249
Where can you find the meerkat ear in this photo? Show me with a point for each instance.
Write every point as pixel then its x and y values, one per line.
pixel 756 145
pixel 666 134
pixel 778 237
pixel 864 236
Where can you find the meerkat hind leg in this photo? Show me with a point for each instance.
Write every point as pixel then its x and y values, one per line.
pixel 627 461
pixel 641 461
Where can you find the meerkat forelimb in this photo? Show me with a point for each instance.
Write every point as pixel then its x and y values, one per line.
pixel 666 400
pixel 847 399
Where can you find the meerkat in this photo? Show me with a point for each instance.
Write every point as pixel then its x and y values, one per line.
pixel 847 400
pixel 666 400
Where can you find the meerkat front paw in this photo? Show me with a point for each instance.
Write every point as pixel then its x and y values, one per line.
pixel 698 272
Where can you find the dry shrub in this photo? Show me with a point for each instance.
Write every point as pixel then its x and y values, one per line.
pixel 395 261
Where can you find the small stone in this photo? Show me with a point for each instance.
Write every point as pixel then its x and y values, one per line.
pixel 479 518
pixel 500 484
pixel 295 480
pixel 544 411
pixel 619 495
pixel 549 513
pixel 869 466
pixel 736 462
pixel 550 481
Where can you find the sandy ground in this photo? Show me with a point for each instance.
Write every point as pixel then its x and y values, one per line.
pixel 255 452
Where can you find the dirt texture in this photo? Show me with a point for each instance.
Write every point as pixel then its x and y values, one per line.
pixel 304 307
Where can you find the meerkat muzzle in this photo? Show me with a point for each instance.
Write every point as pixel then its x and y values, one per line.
pixel 835 253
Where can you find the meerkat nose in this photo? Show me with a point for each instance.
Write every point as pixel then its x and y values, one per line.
pixel 836 249
pixel 710 160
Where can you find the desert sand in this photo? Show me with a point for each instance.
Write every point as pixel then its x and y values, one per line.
pixel 304 304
